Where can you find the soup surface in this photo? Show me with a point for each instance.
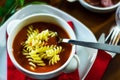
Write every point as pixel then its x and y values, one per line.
pixel 21 37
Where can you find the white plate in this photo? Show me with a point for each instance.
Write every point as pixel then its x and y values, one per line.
pixel 86 55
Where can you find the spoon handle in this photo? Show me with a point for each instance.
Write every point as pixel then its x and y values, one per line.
pixel 101 46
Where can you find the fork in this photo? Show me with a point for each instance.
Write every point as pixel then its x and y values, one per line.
pixel 113 38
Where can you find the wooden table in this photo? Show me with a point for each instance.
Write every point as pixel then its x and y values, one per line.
pixel 97 23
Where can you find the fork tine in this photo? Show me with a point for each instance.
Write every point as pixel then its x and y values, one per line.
pixel 114 36
pixel 117 39
pixel 107 40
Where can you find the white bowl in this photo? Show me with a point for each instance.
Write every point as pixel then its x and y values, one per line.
pixel 15 26
pixel 99 9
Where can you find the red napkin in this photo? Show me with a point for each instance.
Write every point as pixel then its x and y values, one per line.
pixel 14 74
pixel 99 66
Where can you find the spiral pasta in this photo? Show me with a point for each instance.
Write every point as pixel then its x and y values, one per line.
pixel 37 51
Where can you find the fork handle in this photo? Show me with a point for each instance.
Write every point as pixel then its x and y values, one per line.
pixel 101 46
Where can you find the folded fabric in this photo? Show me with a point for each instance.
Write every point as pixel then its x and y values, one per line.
pixel 15 74
pixel 99 66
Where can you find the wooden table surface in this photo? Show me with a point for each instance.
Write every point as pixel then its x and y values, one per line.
pixel 97 23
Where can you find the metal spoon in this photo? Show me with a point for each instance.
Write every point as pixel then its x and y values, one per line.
pixel 102 46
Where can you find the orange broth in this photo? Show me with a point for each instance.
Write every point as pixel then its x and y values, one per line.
pixel 22 36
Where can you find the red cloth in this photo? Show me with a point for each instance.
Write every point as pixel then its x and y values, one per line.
pixel 101 62
pixel 14 74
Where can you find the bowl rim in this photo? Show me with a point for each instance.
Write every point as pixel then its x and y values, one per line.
pixel 45 73
pixel 100 8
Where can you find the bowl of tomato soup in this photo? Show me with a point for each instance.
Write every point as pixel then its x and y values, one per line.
pixel 34 49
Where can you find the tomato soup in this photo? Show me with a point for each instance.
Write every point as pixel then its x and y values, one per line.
pixel 22 36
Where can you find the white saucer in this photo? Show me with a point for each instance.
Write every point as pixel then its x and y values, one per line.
pixel 86 55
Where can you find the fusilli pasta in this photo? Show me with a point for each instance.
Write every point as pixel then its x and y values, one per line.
pixel 36 50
